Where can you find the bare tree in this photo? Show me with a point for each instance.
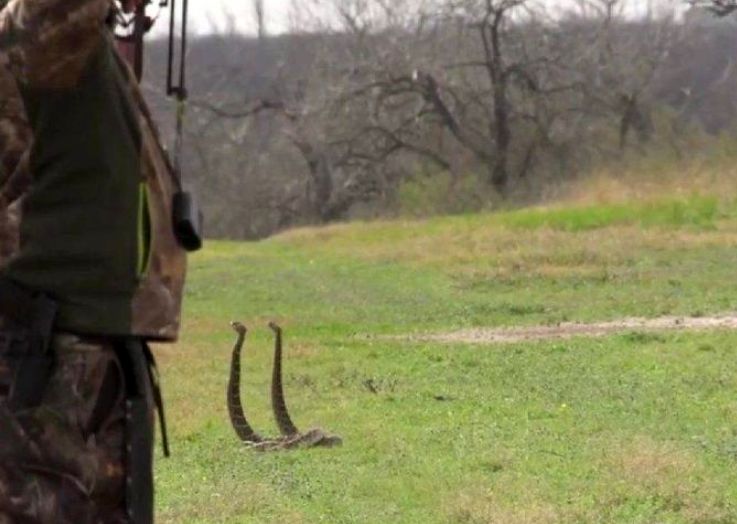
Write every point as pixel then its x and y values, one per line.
pixel 490 101
pixel 624 57
pixel 260 16
pixel 369 92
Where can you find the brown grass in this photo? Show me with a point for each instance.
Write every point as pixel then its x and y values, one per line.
pixel 245 504
pixel 665 477
pixel 498 250
pixel 645 462
pixel 479 506
pixel 651 180
pixel 664 472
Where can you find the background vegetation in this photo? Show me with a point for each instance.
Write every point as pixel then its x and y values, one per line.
pixel 419 107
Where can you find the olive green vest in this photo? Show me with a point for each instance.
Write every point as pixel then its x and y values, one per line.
pixel 85 230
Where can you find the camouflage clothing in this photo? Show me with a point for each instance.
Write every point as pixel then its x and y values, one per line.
pixel 15 134
pixel 65 461
pixel 96 236
pixel 96 232
pixel 15 138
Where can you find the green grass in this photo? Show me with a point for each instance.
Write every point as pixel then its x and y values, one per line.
pixel 631 428
pixel 695 211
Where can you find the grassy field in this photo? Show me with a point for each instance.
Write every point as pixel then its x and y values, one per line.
pixel 632 428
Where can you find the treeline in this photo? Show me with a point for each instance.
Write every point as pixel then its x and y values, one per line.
pixel 500 99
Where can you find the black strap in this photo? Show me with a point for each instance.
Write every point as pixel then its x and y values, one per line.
pixel 139 432
pixel 142 373
pixel 153 372
pixel 142 379
pixel 139 461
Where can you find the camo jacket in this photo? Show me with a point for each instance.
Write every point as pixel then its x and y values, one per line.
pixel 49 46
pixel 15 139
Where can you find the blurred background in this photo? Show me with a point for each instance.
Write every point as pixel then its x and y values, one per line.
pixel 316 111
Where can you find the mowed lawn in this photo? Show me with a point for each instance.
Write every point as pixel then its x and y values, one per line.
pixel 636 427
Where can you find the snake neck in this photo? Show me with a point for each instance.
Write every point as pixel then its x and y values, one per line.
pixel 278 402
pixel 235 408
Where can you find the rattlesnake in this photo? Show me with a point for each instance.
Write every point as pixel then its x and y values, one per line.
pixel 291 437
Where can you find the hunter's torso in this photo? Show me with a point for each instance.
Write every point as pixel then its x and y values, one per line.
pixel 96 231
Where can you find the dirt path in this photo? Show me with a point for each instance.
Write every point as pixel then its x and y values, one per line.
pixel 572 329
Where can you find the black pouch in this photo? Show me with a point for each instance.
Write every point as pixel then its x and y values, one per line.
pixel 29 383
pixel 28 354
pixel 188 221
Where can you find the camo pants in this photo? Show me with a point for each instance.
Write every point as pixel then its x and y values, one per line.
pixel 65 461
pixel 8 231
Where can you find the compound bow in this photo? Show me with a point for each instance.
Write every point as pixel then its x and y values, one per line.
pixel 135 18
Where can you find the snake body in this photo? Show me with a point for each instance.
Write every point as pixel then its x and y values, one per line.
pixel 290 437
pixel 278 402
pixel 235 408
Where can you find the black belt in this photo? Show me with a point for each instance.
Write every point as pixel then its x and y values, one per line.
pixel 143 389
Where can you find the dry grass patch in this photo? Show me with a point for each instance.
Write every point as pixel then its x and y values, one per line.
pixel 497 249
pixel 607 187
pixel 486 505
pixel 653 464
pixel 482 506
pixel 247 503
pixel 203 325
pixel 548 253
pixel 665 477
